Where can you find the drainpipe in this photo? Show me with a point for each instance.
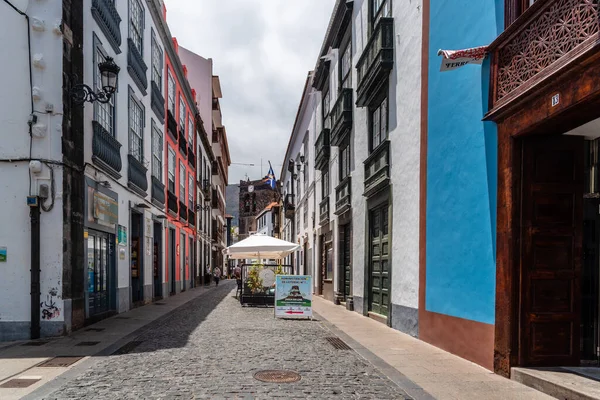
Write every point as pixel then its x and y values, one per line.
pixel 34 216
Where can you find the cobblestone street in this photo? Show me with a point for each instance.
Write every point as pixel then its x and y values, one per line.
pixel 212 347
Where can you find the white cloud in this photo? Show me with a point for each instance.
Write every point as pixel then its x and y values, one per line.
pixel 262 51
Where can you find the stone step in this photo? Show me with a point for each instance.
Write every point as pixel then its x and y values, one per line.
pixel 560 383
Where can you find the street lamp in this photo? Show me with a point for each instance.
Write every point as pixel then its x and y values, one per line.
pixel 109 75
pixel 204 208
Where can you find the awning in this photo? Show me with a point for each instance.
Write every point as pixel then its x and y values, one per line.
pixel 453 59
pixel 261 247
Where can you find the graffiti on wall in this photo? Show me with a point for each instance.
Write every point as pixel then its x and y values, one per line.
pixel 49 308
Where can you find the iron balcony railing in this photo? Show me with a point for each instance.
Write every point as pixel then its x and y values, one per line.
pixel 158 192
pixel 138 181
pixel 106 150
pixel 172 203
pixel 108 19
pixel 191 156
pixel 136 66
pixel 172 125
pixel 183 211
pixel 182 143
pixel 158 102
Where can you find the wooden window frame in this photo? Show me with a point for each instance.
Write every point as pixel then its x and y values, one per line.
pixel 513 10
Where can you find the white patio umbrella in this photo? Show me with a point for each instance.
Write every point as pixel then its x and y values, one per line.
pixel 261 246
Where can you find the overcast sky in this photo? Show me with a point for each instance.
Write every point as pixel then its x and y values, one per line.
pixel 262 51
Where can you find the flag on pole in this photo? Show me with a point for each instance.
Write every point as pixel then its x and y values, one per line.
pixel 271 177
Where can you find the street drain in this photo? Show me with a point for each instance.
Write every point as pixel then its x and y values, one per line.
pixel 18 383
pixel 87 343
pixel 277 376
pixel 121 317
pixel 338 343
pixel 160 304
pixel 60 362
pixel 128 348
pixel 38 343
pixel 94 329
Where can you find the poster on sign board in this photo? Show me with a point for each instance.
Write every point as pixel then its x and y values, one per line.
pixel 293 296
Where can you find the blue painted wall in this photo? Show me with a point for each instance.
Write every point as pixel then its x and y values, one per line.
pixel 461 166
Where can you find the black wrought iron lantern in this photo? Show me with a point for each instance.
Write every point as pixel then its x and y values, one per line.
pixel 109 77
pixel 109 73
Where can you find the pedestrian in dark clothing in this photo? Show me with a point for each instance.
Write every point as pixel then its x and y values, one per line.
pixel 217 275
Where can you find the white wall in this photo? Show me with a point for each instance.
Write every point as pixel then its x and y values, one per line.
pixel 127 197
pixel 405 134
pixel 304 124
pixel 15 109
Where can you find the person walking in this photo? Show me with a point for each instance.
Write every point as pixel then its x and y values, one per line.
pixel 217 275
pixel 207 275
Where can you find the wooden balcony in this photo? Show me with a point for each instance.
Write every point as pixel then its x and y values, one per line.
pixel 548 39
pixel 375 63
pixel 377 169
pixel 324 211
pixel 322 149
pixel 341 118
pixel 343 192
pixel 289 206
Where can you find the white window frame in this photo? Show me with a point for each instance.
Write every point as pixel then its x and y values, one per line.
pixel 182 115
pixel 182 181
pixel 136 25
pixel 157 63
pixel 172 166
pixel 157 151
pixel 104 113
pixel 171 92
pixel 136 128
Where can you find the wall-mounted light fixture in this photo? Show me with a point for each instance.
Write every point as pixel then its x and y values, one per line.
pixel 109 75
pixel 205 207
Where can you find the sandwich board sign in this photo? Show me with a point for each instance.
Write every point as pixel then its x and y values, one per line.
pixel 293 296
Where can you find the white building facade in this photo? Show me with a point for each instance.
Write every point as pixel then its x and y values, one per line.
pixel 298 184
pixel 366 160
pixel 83 185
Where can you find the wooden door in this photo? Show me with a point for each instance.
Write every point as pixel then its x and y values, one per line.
pixel 551 250
pixel 379 269
pixel 346 254
pixel 589 281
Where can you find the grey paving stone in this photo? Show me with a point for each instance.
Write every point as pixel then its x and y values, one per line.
pixel 210 349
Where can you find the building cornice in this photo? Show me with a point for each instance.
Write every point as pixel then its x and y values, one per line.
pixel 340 17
